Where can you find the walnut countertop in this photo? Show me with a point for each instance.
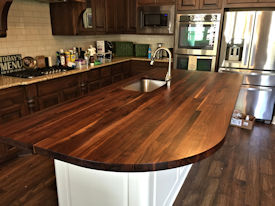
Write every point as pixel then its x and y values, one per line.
pixel 119 130
pixel 7 82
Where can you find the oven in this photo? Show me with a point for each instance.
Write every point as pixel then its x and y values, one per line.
pixel 199 63
pixel 197 34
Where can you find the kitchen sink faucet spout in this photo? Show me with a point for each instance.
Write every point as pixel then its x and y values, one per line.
pixel 168 75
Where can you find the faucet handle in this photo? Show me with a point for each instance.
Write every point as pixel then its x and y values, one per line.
pixel 167 77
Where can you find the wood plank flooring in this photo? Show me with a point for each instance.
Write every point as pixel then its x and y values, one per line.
pixel 240 173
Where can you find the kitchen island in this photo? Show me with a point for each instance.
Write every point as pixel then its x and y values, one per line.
pixel 121 147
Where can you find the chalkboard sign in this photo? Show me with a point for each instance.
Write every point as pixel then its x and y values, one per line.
pixel 11 63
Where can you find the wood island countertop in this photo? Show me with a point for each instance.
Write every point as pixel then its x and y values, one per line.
pixel 114 129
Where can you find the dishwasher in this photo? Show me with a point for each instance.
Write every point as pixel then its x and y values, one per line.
pixel 257 93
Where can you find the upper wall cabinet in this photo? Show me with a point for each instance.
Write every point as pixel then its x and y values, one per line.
pixel 4 9
pixel 93 17
pixel 199 4
pixel 248 3
pixel 131 9
pixel 150 2
pixel 77 18
pixel 120 16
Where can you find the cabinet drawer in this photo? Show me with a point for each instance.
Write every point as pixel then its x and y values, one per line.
pixel 106 71
pixel 93 75
pixel 117 68
pixel 71 93
pixel 56 85
pixel 48 101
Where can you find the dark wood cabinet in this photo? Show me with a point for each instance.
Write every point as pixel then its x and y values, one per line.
pixel 4 9
pixel 188 4
pixel 121 16
pixel 116 16
pixel 12 106
pixel 110 17
pixel 150 2
pixel 99 8
pixel 67 17
pixel 199 4
pixel 55 91
pixel 210 4
pixel 240 1
pixel 131 10
pixel 142 2
pixel 249 3
pixel 165 1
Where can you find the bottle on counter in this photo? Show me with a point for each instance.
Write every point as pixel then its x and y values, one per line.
pixel 62 58
pixel 58 63
pixel 67 57
pixel 72 56
pixel 149 53
pixel 75 51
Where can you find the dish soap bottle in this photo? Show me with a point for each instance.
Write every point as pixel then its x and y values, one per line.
pixel 149 53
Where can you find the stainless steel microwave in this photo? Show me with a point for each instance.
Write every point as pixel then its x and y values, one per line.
pixel 156 19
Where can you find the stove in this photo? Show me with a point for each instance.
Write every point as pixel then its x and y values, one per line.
pixel 31 73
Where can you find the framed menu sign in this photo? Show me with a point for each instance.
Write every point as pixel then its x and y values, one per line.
pixel 11 63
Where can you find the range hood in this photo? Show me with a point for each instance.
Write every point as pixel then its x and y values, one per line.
pixel 4 9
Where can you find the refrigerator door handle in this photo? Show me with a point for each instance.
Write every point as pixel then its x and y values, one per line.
pixel 256 88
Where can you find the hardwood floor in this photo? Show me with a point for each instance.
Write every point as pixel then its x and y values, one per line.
pixel 240 173
pixel 28 181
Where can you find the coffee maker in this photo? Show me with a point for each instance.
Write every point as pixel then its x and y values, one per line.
pixel 104 51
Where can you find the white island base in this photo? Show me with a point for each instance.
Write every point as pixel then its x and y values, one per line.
pixel 79 186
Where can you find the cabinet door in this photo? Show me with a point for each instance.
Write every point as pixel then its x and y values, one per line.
pixel 110 16
pixel 240 1
pixel 121 16
pixel 267 1
pixel 210 4
pixel 99 10
pixel 49 100
pixel 12 106
pixel 127 72
pixel 70 93
pixel 140 66
pixel 131 16
pixel 188 4
pixel 66 18
pixel 140 2
pixel 165 1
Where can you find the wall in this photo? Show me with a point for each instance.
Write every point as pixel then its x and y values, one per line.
pixel 29 33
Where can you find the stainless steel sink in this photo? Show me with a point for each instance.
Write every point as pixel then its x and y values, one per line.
pixel 145 85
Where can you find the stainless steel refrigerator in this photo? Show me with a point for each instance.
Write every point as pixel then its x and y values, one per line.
pixel 248 47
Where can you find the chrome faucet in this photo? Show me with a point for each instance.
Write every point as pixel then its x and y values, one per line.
pixel 168 75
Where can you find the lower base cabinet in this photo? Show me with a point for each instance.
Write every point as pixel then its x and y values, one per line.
pixel 13 105
pixel 83 186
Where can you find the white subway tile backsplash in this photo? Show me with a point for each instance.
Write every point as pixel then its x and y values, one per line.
pixel 29 33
